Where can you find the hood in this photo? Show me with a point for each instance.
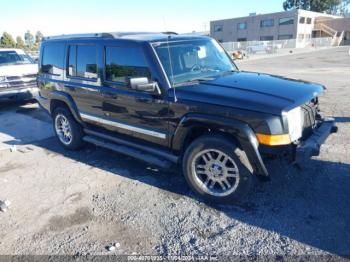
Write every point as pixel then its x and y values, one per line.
pixel 18 70
pixel 252 91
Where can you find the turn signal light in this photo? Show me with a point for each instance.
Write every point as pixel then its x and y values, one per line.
pixel 273 140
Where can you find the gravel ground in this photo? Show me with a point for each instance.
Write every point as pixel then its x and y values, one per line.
pixel 77 203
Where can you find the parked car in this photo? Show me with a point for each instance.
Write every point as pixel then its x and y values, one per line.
pixel 263 47
pixel 17 75
pixel 178 99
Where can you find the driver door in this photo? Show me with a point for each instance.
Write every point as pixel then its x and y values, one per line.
pixel 140 114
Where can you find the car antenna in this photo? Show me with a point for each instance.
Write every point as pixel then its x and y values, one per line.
pixel 171 68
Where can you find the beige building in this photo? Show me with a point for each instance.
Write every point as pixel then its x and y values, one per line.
pixel 296 24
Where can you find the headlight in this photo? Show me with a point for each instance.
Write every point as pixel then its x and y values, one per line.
pixel 295 120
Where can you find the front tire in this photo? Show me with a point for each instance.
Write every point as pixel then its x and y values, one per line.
pixel 217 170
pixel 67 129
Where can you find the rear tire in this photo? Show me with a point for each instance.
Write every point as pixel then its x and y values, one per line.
pixel 217 170
pixel 67 129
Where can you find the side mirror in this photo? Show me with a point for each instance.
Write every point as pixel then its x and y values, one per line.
pixel 143 84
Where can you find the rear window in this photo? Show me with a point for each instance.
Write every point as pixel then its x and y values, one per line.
pixel 52 59
pixel 82 61
pixel 123 63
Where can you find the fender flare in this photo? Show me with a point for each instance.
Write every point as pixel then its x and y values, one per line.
pixel 68 100
pixel 238 129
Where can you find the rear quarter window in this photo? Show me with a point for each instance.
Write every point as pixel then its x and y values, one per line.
pixel 53 59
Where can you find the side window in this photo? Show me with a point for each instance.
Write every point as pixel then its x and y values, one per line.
pixel 123 63
pixel 82 61
pixel 52 59
pixel 72 64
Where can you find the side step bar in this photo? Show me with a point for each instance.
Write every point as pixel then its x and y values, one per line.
pixel 150 155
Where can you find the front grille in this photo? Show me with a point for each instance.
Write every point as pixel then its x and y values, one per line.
pixel 20 84
pixel 310 111
pixel 16 82
pixel 15 78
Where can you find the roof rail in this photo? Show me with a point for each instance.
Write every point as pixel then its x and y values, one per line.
pixel 102 35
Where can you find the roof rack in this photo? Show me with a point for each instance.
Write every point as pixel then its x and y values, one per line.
pixel 112 35
pixel 102 35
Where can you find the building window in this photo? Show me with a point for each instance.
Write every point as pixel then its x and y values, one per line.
pixel 302 20
pixel 286 21
pixel 242 26
pixel 52 59
pixel 301 36
pixel 83 61
pixel 123 63
pixel 267 23
pixel 285 37
pixel 241 39
pixel 309 21
pixel 218 28
pixel 266 38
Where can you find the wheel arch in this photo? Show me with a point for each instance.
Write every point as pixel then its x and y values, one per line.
pixel 193 126
pixel 58 98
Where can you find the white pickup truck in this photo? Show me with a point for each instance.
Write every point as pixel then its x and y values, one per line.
pixel 17 75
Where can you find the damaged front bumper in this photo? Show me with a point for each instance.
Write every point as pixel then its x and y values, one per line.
pixel 311 146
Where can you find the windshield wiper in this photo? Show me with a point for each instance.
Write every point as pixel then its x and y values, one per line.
pixel 195 81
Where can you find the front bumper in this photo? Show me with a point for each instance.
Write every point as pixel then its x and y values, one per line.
pixel 18 94
pixel 311 147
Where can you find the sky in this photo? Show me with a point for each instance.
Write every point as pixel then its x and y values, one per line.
pixel 55 17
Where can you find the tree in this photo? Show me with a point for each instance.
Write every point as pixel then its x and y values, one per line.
pixel 29 39
pixel 343 7
pixel 328 6
pixel 38 37
pixel 7 40
pixel 20 43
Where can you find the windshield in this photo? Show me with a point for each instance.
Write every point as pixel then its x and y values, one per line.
pixel 13 58
pixel 193 60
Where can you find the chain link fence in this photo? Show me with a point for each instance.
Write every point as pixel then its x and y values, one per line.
pixel 247 49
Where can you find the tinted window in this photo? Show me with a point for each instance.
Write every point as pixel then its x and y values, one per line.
pixel 266 38
pixel 285 37
pixel 242 26
pixel 286 21
pixel 72 65
pixel 83 61
pixel 123 63
pixel 267 23
pixel 218 28
pixel 52 59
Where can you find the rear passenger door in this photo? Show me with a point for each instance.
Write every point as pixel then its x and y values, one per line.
pixel 82 78
pixel 137 113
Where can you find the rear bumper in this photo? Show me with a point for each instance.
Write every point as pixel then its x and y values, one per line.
pixel 311 146
pixel 25 93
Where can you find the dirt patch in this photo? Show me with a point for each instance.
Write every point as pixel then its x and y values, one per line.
pixel 10 167
pixel 60 223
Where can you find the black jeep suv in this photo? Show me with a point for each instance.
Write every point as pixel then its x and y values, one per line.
pixel 167 98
